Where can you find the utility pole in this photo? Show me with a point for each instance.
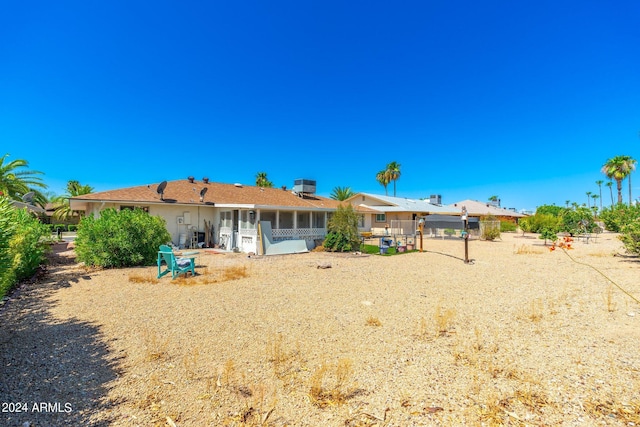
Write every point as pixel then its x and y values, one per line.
pixel 465 233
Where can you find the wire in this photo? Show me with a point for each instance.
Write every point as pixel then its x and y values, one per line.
pixel 603 275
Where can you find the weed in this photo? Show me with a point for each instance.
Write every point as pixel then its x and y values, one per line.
pixel 535 315
pixel 628 413
pixel 287 363
pixel 156 349
pixel 331 384
pixel 608 298
pixel 373 321
pixel 444 321
pixel 139 278
pixel 527 250
pixel 190 363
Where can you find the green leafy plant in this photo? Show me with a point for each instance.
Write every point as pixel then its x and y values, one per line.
pixel 631 237
pixel 577 220
pixel 23 245
pixel 120 238
pixel 548 234
pixel 507 226
pixel 618 216
pixel 342 233
pixel 489 228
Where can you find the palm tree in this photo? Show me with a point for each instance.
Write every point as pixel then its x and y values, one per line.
pixel 599 184
pixel 393 170
pixel 588 198
pixel 610 185
pixel 341 193
pixel 618 168
pixel 16 183
pixel 566 202
pixel 61 203
pixel 595 197
pixel 262 180
pixel 632 166
pixel 383 178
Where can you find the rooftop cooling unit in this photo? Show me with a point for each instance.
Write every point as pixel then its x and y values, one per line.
pixel 304 186
pixel 435 199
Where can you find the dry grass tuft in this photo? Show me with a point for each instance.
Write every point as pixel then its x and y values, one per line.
pixel 208 277
pixel 143 278
pixel 444 321
pixel 373 321
pixel 609 301
pixel 628 413
pixel 156 348
pixel 527 250
pixel 331 384
pixel 287 363
pixel 190 363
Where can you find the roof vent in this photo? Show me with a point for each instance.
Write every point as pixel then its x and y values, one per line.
pixel 191 179
pixel 205 179
pixel 237 184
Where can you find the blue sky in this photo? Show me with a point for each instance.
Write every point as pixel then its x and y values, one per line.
pixel 521 99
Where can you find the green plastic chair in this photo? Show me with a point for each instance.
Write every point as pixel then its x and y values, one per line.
pixel 175 265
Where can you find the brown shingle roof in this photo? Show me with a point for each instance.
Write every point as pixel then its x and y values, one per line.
pixel 185 192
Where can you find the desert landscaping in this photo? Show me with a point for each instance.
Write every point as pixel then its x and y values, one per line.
pixel 524 335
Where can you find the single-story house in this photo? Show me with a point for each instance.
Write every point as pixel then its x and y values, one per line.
pixel 476 208
pixel 234 210
pixel 379 212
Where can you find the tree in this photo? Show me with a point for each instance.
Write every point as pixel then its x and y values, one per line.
pixel 16 183
pixel 262 180
pixel 493 198
pixel 595 197
pixel 610 185
pixel 341 193
pixel 383 178
pixel 588 199
pixel 61 203
pixel 618 168
pixel 342 230
pixel 599 184
pixel 393 172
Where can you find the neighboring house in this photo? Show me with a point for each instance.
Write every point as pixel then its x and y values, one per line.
pixel 379 211
pixel 233 209
pixel 479 209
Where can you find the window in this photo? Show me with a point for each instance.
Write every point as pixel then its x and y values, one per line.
pixel 269 216
pixel 318 220
pixel 247 220
pixel 144 208
pixel 381 217
pixel 361 221
pixel 303 220
pixel 286 219
pixel 226 219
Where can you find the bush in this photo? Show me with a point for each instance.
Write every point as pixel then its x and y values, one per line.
pixel 617 217
pixel 538 222
pixel 123 238
pixel 23 245
pixel 631 237
pixel 507 226
pixel 489 228
pixel 342 229
pixel 72 227
pixel 578 220
pixel 60 227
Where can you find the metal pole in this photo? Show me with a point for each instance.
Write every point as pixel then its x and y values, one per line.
pixel 465 232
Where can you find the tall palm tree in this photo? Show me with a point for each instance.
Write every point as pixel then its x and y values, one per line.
pixel 262 180
pixel 618 168
pixel 588 199
pixel 61 203
pixel 16 183
pixel 341 193
pixel 632 166
pixel 566 202
pixel 383 178
pixel 610 185
pixel 393 171
pixel 595 197
pixel 599 184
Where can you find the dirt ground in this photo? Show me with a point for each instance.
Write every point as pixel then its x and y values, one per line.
pixel 523 335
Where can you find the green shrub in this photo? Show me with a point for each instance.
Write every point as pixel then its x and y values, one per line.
pixel 631 237
pixel 538 222
pixel 120 238
pixel 342 230
pixel 548 235
pixel 577 220
pixel 617 217
pixel 23 245
pixel 72 227
pixel 489 228
pixel 507 226
pixel 59 227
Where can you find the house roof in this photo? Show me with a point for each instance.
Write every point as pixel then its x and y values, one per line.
pixel 185 192
pixel 403 204
pixel 30 208
pixel 476 208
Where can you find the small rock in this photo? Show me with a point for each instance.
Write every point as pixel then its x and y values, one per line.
pixel 324 265
pixel 631 314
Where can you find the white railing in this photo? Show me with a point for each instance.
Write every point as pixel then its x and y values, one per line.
pixel 298 233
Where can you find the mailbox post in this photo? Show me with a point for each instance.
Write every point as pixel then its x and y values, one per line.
pixel 465 233
pixel 420 229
